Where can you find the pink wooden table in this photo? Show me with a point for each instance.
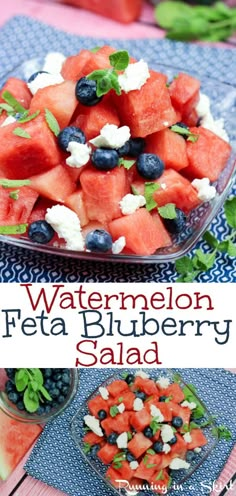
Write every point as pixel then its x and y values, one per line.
pixel 79 22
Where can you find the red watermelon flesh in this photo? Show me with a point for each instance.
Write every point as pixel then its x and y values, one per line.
pixel 103 191
pixel 16 211
pixel 113 477
pixel 107 453
pixel 184 92
pixel 117 387
pixel 140 420
pixel 160 484
pixel 15 440
pixel 170 147
pixel 146 385
pixel 73 67
pixel 180 447
pixel 55 184
pixel 75 201
pixel 139 444
pixel 147 110
pixel 60 99
pixel 92 119
pixel 22 157
pixel 92 438
pixel 198 439
pixel 96 404
pixel 208 155
pixel 19 90
pixel 99 60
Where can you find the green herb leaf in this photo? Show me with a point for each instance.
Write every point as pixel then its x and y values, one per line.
pixel 21 379
pixel 160 476
pixel 31 400
pixel 151 452
pixel 129 434
pixel 17 229
pixel 8 108
pixel 115 82
pixel 14 183
pixel 45 393
pixel 184 132
pixel 222 432
pixel 27 117
pixel 230 212
pixel 168 211
pixel 151 465
pixel 114 411
pixel 177 378
pixel 11 100
pixel 184 265
pixel 52 122
pixel 134 190
pixel 87 448
pixel 119 60
pixel 19 131
pixel 210 239
pixel 104 85
pixel 127 164
pixel 149 189
pixel 189 395
pixel 204 261
pixel 155 425
pixel 95 49
pixel 14 195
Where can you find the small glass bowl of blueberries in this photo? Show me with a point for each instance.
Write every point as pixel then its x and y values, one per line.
pixel 37 395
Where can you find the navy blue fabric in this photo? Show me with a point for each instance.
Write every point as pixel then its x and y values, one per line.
pixel 22 39
pixel 57 461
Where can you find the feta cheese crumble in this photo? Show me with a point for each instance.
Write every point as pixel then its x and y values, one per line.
pixel 122 440
pixel 141 373
pixel 188 404
pixel 187 437
pixel 166 448
pixel 156 413
pixel 112 136
pixel 134 76
pixel 43 80
pixel 121 407
pixel 197 450
pixel 67 225
pixel 130 203
pixel 163 382
pixel 166 433
pixel 104 393
pixel 93 424
pixel 53 62
pixel 118 245
pixel 80 154
pixel 206 192
pixel 138 404
pixel 133 465
pixel 207 120
pixel 178 464
pixel 9 120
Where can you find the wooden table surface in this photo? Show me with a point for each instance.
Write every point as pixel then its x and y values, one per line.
pixel 79 22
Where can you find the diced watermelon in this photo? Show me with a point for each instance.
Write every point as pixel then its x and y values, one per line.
pixel 19 90
pixel 184 92
pixel 170 147
pixel 75 202
pixel 118 424
pixel 139 444
pixel 99 60
pixel 55 184
pixel 125 471
pixel 163 407
pixel 73 67
pixel 198 439
pixel 143 237
pixel 180 411
pixel 92 225
pixel 146 385
pixel 147 110
pixel 96 404
pixel 60 99
pixel 174 390
pixel 107 453
pixel 147 467
pixel 92 119
pixel 160 482
pixel 113 477
pixel 117 387
pixel 17 211
pixel 127 398
pixel 208 155
pixel 140 420
pixel 191 119
pixel 92 438
pixel 103 191
pixel 165 237
pixel 120 10
pixel 180 447
pixel 20 157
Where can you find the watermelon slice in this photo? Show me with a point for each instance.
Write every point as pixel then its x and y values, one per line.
pixel 184 92
pixel 19 90
pixel 73 67
pixel 15 440
pixel 16 211
pixel 55 184
pixel 170 147
pixel 92 119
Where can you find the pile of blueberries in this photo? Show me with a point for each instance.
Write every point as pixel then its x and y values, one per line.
pixel 56 382
pixel 148 432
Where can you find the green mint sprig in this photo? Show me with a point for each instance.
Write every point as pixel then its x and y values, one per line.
pixel 190 268
pixel 31 382
pixel 19 131
pixel 190 396
pixel 127 164
pixel 149 189
pixel 168 211
pixel 198 22
pixel 52 122
pixel 87 448
pixel 222 432
pixel 184 132
pixel 14 183
pixel 114 411
pixel 13 103
pixel 16 229
pixel 155 425
pixel 107 79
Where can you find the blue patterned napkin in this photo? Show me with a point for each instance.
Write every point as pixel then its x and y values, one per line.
pixel 22 39
pixel 56 461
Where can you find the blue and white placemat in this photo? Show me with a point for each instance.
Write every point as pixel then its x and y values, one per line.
pixel 22 39
pixel 56 461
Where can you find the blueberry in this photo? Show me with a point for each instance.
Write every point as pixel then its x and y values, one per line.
pixel 55 393
pixel 59 384
pixel 124 150
pixel 142 396
pixel 148 432
pixel 177 224
pixel 190 456
pixel 150 166
pixel 136 146
pixel 47 373
pixel 177 422
pixel 98 240
pixel 86 92
pixel 94 450
pixel 48 408
pixel 40 232
pixel 35 74
pixel 57 376
pixel 65 390
pixel 41 410
pixel 111 439
pixel 13 397
pixel 10 373
pixel 130 457
pixel 61 399
pixel 20 405
pixel 162 399
pixel 70 133
pixel 9 386
pixel 66 378
pixel 48 384
pixel 105 158
pixel 129 379
pixel 158 447
pixel 173 440
pixel 102 414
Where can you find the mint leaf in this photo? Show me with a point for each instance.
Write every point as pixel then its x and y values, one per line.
pixel 19 131
pixel 21 379
pixel 14 195
pixel 184 132
pixel 27 117
pixel 210 239
pixel 155 425
pixel 129 434
pixel 149 189
pixel 204 261
pixel 127 164
pixel 230 212
pixel 104 85
pixel 52 122
pixel 87 448
pixel 31 400
pixel 151 452
pixel 45 393
pixel 115 83
pixel 231 249
pixel 119 60
pixel 160 476
pixel 184 265
pixel 114 411
pixel 168 211
pixel 134 190
pixel 17 229
pixel 151 465
pixel 11 100
pixel 8 108
pixel 14 183
pixel 222 432
pixel 95 49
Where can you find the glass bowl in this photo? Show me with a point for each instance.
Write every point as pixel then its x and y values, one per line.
pixel 223 105
pixel 180 476
pixel 32 418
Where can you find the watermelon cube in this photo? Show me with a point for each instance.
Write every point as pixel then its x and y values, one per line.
pixel 146 385
pixel 17 211
pixel 92 119
pixel 107 453
pixel 140 420
pixel 92 438
pixel 55 184
pixel 184 92
pixel 73 67
pixel 180 447
pixel 96 404
pixel 19 90
pixel 75 201
pixel 174 390
pixel 198 439
pixel 117 387
pixel 139 444
pixel 170 147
